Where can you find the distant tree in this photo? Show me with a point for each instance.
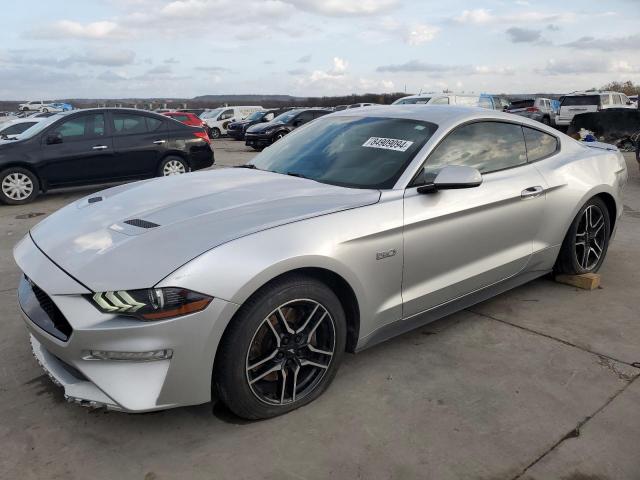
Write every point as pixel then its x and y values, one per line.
pixel 628 88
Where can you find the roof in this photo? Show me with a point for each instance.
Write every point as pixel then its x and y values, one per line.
pixel 441 115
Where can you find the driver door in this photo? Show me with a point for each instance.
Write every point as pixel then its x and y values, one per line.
pixel 459 241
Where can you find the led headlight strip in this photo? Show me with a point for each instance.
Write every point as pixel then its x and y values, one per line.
pixel 152 303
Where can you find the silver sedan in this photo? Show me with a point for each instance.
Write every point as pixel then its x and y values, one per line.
pixel 249 284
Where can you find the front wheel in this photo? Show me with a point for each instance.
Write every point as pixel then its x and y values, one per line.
pixel 282 350
pixel 172 166
pixel 45 110
pixel 18 186
pixel 585 245
pixel 214 133
pixel 278 136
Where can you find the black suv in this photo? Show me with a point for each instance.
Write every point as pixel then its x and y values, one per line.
pixel 99 145
pixel 238 129
pixel 264 134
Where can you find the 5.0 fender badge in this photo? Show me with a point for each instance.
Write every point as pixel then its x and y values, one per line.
pixel 386 254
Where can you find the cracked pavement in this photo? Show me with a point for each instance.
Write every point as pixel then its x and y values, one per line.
pixel 538 383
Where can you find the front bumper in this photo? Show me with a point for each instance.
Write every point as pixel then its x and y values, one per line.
pixel 258 140
pixel 131 386
pixel 237 134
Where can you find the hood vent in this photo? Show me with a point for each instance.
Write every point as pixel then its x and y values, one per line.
pixel 138 222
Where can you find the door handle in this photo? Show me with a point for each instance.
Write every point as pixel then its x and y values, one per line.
pixel 532 192
pixel 159 142
pixel 99 147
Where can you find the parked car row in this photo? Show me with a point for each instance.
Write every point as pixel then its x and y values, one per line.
pixel 44 106
pixel 95 146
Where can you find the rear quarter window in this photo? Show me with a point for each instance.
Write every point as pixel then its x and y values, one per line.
pixel 539 144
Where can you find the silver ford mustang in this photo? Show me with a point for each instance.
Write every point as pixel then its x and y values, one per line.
pixel 248 284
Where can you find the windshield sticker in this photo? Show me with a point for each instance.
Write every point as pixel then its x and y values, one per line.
pixel 388 144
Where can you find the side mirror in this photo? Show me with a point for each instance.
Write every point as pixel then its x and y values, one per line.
pixel 453 177
pixel 54 138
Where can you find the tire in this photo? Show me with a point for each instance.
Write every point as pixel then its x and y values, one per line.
pixel 304 300
pixel 45 110
pixel 214 133
pixel 546 121
pixel 172 165
pixel 18 186
pixel 278 136
pixel 572 259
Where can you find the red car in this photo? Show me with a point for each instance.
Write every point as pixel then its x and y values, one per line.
pixel 186 118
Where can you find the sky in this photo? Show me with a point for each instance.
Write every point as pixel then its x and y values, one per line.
pixel 183 48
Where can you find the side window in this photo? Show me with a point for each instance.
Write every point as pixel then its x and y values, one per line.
pixel 268 117
pixel 487 146
pixel 79 128
pixel 319 114
pixel 616 99
pixel 181 118
pixel 625 99
pixel 226 115
pixel 604 99
pixel 129 124
pixel 539 144
pixel 304 117
pixel 153 124
pixel 485 102
pixel 440 101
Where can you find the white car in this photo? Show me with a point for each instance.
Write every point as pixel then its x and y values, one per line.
pixel 37 106
pixel 217 120
pixel 590 101
pixel 13 128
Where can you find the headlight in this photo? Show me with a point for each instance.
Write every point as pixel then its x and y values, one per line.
pixel 151 304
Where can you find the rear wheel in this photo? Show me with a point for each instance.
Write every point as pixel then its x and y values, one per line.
pixel 546 120
pixel 282 350
pixel 172 166
pixel 18 186
pixel 585 245
pixel 214 133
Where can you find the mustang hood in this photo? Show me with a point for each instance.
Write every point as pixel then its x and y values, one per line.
pixel 132 236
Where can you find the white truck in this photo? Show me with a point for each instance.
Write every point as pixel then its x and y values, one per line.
pixel 218 119
pixel 589 101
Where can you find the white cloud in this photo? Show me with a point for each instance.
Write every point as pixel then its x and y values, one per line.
pixel 630 42
pixel 439 70
pixel 344 7
pixel 482 16
pixel 419 34
pixel 70 29
pixel 340 66
pixel 587 65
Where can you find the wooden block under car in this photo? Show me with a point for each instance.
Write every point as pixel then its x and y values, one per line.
pixel 587 281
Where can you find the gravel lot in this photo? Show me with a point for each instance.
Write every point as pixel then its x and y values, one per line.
pixel 537 383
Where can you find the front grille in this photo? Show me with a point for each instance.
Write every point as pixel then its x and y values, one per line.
pixel 42 311
pixel 52 310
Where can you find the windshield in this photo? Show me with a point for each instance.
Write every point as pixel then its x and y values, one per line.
pixel 522 104
pixel 581 100
pixel 256 115
pixel 356 152
pixel 211 113
pixel 412 101
pixel 40 126
pixel 285 117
